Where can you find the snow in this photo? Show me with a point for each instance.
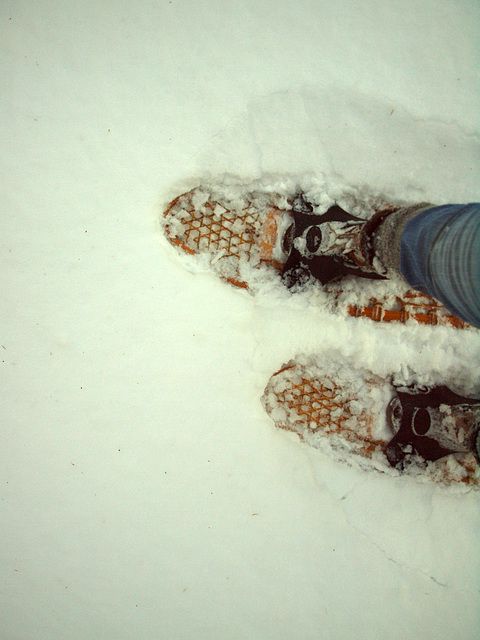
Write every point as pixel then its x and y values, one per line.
pixel 145 493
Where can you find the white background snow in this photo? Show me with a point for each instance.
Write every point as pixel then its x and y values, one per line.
pixel 144 492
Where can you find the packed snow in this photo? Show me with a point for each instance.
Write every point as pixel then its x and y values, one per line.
pixel 146 493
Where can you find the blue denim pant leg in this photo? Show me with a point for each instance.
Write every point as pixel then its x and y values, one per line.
pixel 440 255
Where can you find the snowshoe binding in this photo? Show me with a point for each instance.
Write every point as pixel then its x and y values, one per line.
pixel 356 416
pixel 241 230
pixel 329 246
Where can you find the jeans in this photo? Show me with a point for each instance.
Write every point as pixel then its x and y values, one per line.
pixel 440 255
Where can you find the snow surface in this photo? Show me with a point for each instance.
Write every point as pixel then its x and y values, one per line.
pixel 144 491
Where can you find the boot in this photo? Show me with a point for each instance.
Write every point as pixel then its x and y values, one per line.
pixel 336 244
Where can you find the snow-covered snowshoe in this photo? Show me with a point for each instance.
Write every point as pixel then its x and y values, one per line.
pixel 240 230
pixel 359 417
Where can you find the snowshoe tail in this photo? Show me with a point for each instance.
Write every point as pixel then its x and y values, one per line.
pixel 240 231
pixel 358 417
pixel 413 305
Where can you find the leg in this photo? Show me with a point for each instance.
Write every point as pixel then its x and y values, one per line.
pixel 437 251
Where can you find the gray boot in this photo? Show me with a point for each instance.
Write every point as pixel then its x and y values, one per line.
pixel 386 239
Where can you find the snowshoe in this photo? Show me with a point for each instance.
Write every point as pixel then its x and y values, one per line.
pixel 359 417
pixel 241 231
